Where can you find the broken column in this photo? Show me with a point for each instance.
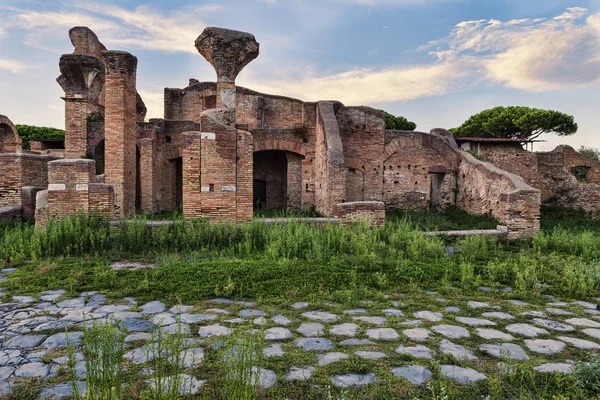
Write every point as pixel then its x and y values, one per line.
pixel 120 128
pixel 228 52
pixel 82 79
pixel 217 162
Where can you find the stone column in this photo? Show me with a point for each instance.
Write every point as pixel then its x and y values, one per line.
pixel 120 129
pixel 82 78
pixel 228 52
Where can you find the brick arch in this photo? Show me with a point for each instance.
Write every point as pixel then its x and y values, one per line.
pixel 423 140
pixel 10 140
pixel 280 144
pixel 355 163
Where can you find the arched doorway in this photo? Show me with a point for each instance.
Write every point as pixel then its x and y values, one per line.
pixel 10 142
pixel 277 180
pixel 270 180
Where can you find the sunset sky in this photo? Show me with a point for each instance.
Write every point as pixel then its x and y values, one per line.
pixel 435 62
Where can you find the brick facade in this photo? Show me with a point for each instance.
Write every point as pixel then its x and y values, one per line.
pixel 217 140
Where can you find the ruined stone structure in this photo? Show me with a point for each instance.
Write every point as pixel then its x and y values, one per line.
pixel 564 176
pixel 222 150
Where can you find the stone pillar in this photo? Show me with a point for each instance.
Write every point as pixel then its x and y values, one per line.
pixel 120 129
pixel 228 52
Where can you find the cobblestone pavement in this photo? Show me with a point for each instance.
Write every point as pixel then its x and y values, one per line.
pixel 469 336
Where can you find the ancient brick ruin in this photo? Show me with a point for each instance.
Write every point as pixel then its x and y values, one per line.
pixel 221 150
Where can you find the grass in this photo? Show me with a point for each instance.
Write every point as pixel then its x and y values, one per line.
pixel 283 263
pixel 451 218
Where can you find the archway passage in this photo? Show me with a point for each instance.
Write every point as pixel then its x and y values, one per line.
pixel 270 180
pixel 10 142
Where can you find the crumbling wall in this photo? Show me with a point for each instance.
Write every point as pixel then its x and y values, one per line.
pixel 484 188
pixel 511 157
pixel 412 162
pixel 362 130
pixel 330 169
pixel 550 172
pixel 370 212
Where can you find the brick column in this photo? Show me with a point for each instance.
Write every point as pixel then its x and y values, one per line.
pixel 120 129
pixel 190 155
pixel 294 181
pixel 75 127
pixel 245 176
pixel 147 175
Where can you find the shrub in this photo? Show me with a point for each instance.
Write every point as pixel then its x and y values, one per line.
pixel 29 132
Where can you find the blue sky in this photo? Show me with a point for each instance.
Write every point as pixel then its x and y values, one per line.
pixel 434 61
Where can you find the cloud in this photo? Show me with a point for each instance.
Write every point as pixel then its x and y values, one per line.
pixel 141 27
pixel 13 66
pixel 530 54
pixel 366 86
pixel 411 3
pixel 154 103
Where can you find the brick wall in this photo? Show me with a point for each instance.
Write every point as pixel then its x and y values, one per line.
pixel 363 135
pixel 484 188
pixel 120 129
pixel 371 212
pixel 101 199
pixel 408 161
pixel 68 187
pixel 18 170
pixel 550 172
pixel 76 113
pixel 294 181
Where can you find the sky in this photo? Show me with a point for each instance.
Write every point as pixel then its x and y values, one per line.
pixel 436 62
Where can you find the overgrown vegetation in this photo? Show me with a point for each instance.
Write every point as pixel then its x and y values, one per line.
pixel 197 260
pixel 591 152
pixel 30 132
pixel 282 263
pixel 398 122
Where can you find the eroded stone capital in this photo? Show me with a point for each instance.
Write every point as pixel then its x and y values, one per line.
pixel 120 62
pixel 228 51
pixel 81 75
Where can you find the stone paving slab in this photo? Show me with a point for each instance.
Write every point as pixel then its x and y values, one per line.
pixel 448 329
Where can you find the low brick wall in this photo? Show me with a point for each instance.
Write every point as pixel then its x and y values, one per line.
pixel 373 212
